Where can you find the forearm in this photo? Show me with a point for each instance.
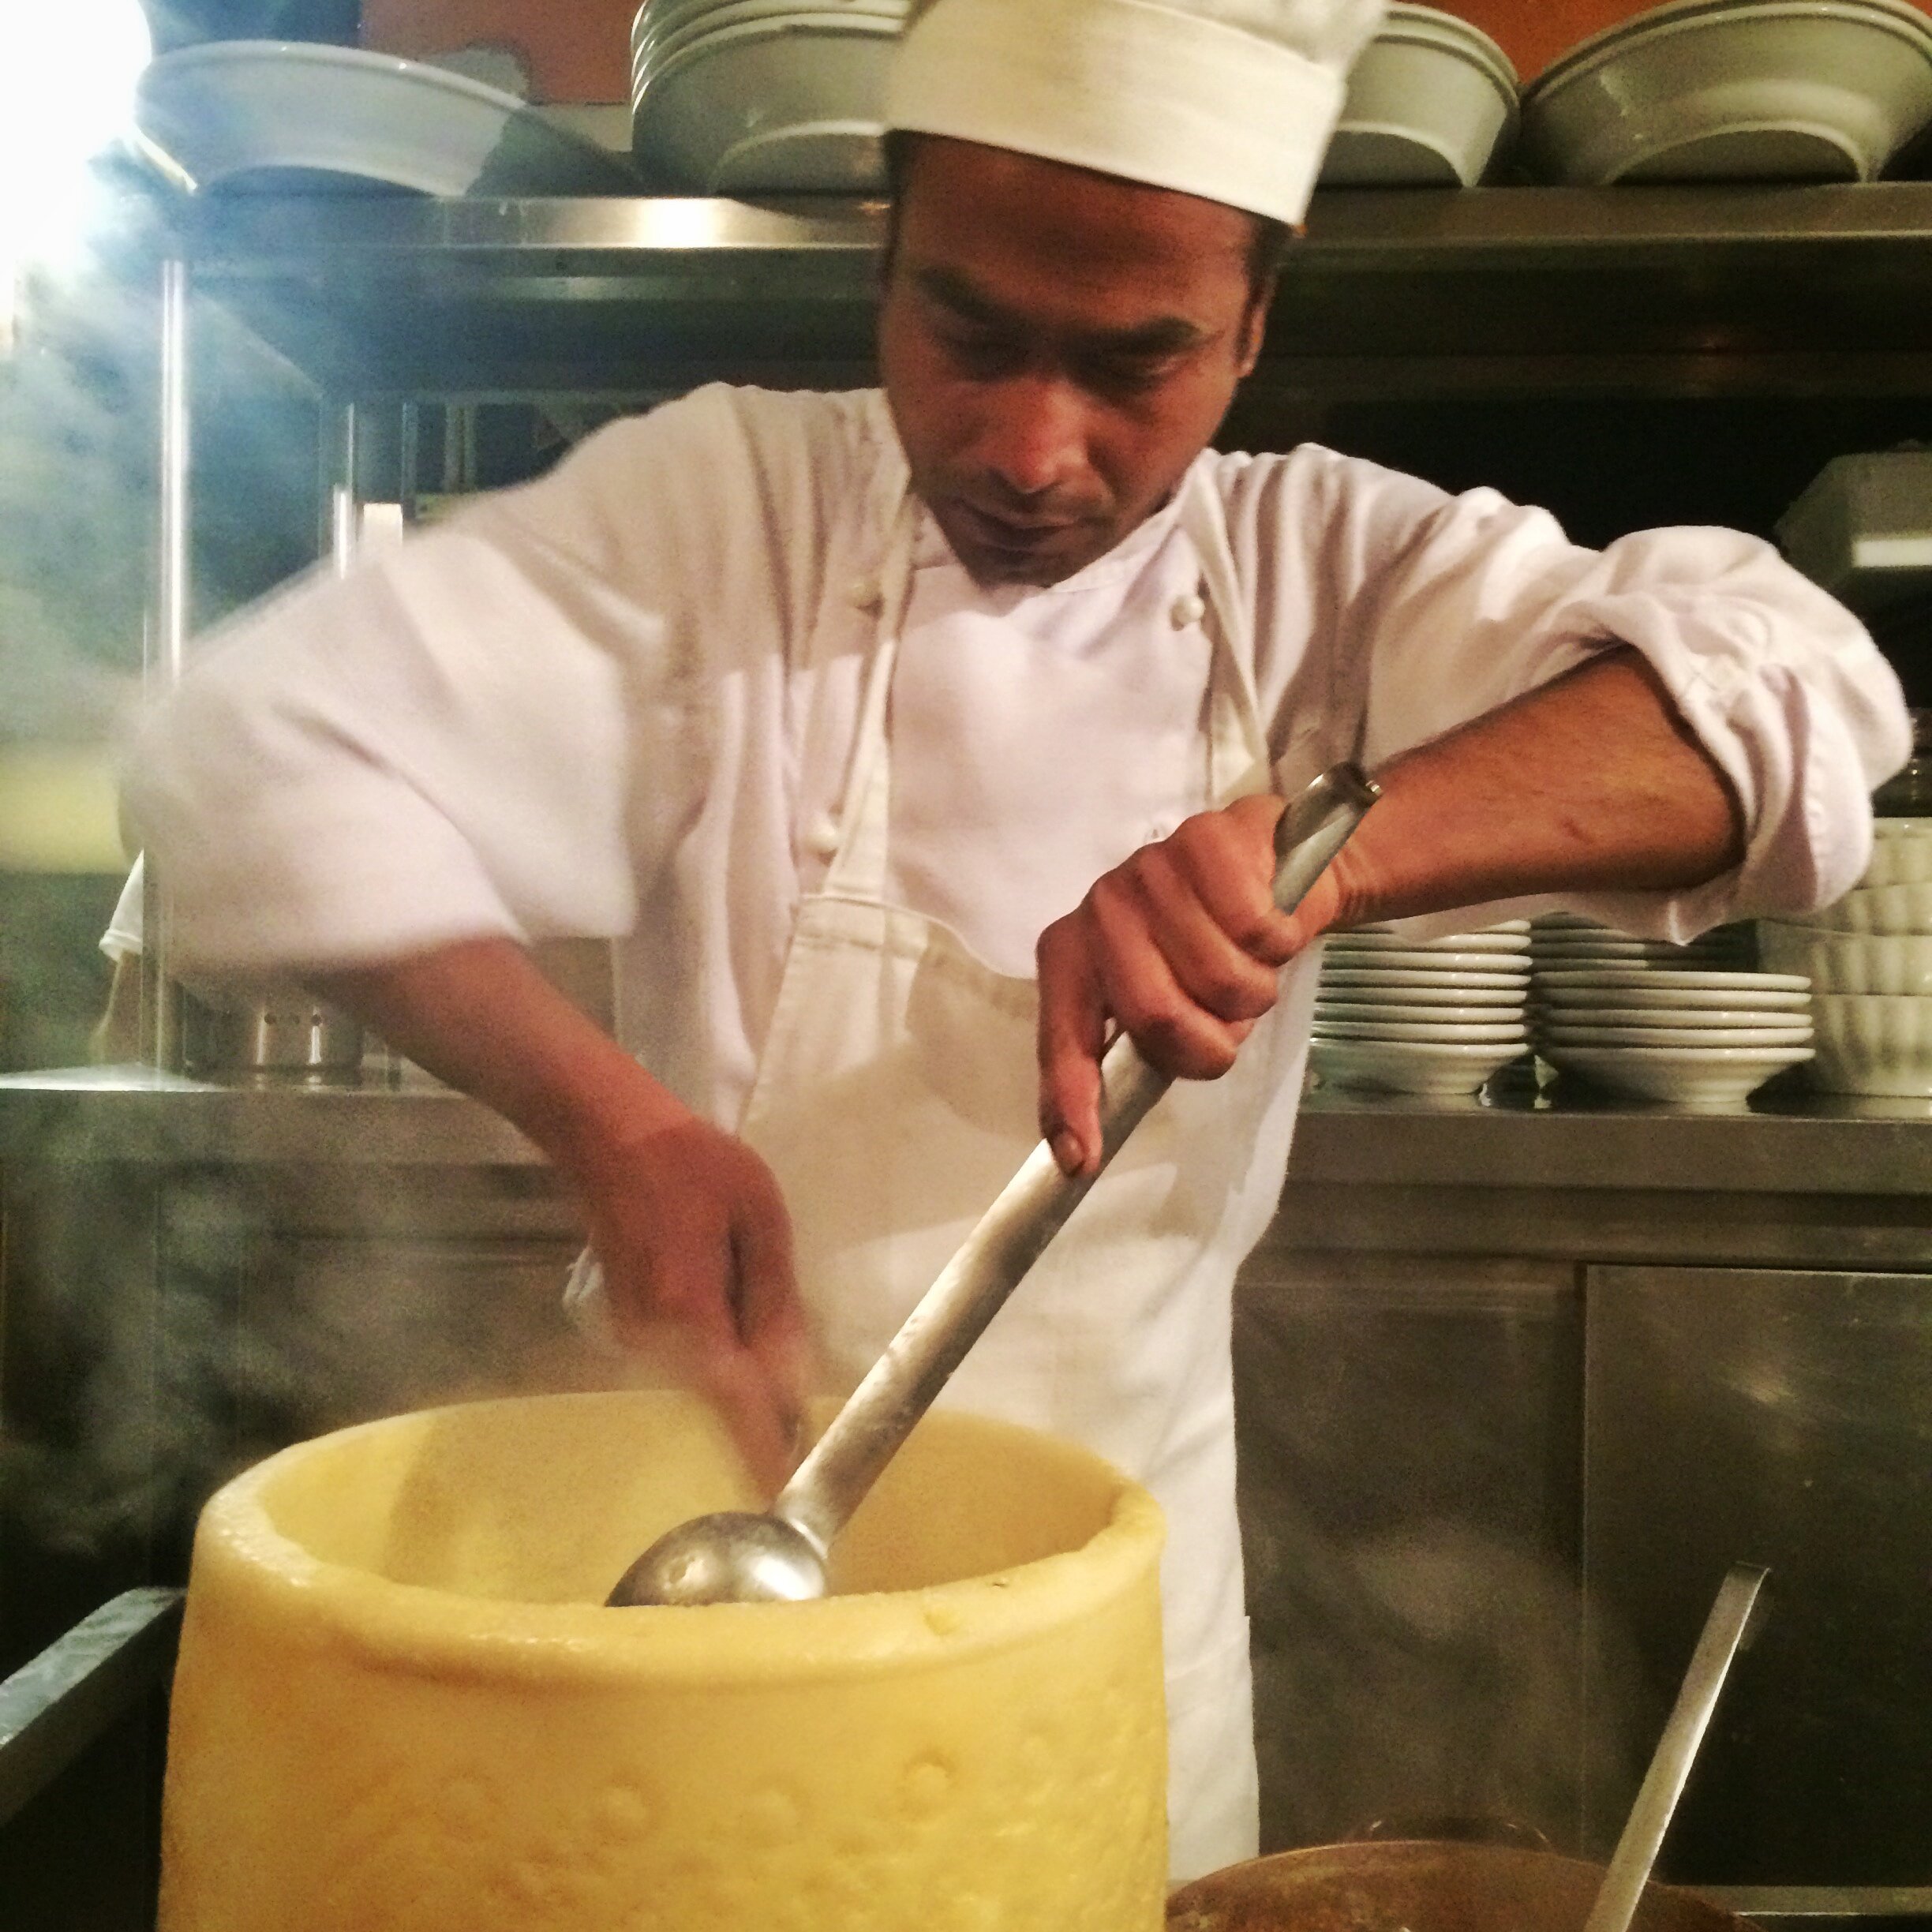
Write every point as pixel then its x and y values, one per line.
pixel 479 1014
pixel 1592 782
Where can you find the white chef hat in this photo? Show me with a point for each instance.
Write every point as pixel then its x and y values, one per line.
pixel 1233 100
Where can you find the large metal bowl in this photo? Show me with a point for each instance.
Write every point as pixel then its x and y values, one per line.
pixel 1420 1886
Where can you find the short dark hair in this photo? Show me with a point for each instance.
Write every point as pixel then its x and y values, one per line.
pixel 1267 245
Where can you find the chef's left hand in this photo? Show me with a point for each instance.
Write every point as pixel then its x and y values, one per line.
pixel 1181 946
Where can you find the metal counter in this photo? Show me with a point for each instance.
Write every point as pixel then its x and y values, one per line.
pixel 1516 1138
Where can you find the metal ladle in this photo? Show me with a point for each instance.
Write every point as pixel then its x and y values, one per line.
pixel 735 1556
pixel 1629 1869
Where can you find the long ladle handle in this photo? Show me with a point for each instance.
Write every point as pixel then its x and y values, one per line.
pixel 1629 1869
pixel 1011 1235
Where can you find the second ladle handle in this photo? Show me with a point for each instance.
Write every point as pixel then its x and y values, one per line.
pixel 1031 1208
pixel 1629 1869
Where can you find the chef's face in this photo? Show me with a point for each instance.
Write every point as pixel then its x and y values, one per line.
pixel 1057 347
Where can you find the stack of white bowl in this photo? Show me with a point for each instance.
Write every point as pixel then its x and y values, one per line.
pixel 1692 1025
pixel 1421 1016
pixel 1431 103
pixel 761 96
pixel 1870 961
pixel 1735 90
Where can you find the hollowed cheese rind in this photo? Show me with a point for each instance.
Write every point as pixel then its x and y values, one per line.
pixel 360 1741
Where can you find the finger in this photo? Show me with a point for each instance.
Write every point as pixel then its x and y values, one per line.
pixel 1227 858
pixel 771 1322
pixel 691 1302
pixel 1206 961
pixel 1180 1038
pixel 762 1424
pixel 1072 1037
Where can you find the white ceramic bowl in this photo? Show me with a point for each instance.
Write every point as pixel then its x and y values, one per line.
pixel 1849 962
pixel 1431 103
pixel 660 17
pixel 1715 1077
pixel 1709 90
pixel 1481 989
pixel 1679 1019
pixel 1874 1043
pixel 1621 1034
pixel 658 34
pixel 1415 992
pixel 1395 959
pixel 1901 847
pixel 1376 939
pixel 1334 1009
pixel 790 104
pixel 1449 1032
pixel 1725 1008
pixel 227 109
pixel 1396 1066
pixel 1573 952
pixel 1903 911
pixel 1658 981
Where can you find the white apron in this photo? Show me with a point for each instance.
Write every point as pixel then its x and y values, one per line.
pixel 896 1095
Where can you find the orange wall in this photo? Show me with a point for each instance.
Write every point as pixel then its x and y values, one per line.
pixel 576 50
pixel 1534 32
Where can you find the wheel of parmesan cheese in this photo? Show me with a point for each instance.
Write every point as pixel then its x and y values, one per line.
pixel 402 1706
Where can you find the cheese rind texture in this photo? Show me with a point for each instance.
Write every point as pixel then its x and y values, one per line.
pixel 401 1702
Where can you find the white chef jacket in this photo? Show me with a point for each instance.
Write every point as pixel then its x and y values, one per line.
pixel 617 702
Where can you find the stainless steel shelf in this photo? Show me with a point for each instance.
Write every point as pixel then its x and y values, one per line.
pixel 1675 287
pixel 1819 1148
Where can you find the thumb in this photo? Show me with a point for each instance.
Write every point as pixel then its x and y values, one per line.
pixel 1322 906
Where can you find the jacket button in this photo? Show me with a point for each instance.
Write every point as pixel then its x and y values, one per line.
pixel 1187 610
pixel 865 594
pixel 822 840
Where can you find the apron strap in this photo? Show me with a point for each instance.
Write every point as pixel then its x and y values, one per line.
pixel 857 867
pixel 1237 753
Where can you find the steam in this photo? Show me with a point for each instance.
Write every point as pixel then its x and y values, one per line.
pixel 176 1334
pixel 67 77
pixel 1411 1503
pixel 73 456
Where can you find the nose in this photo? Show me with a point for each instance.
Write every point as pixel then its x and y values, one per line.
pixel 1032 437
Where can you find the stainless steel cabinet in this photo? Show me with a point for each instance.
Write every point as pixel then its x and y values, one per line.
pixel 1782 1418
pixel 1409 1439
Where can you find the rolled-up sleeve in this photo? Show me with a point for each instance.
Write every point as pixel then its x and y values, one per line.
pixel 1442 608
pixel 432 749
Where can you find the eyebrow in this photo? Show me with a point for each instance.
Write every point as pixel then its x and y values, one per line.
pixel 1163 336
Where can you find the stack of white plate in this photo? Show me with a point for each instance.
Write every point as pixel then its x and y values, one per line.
pixel 762 96
pixel 1692 1024
pixel 1421 1016
pixel 1869 958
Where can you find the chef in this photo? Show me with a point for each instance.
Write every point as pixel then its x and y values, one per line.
pixel 907 743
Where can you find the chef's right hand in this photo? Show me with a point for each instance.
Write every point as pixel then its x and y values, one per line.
pixel 694 1240
pixel 687 1221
